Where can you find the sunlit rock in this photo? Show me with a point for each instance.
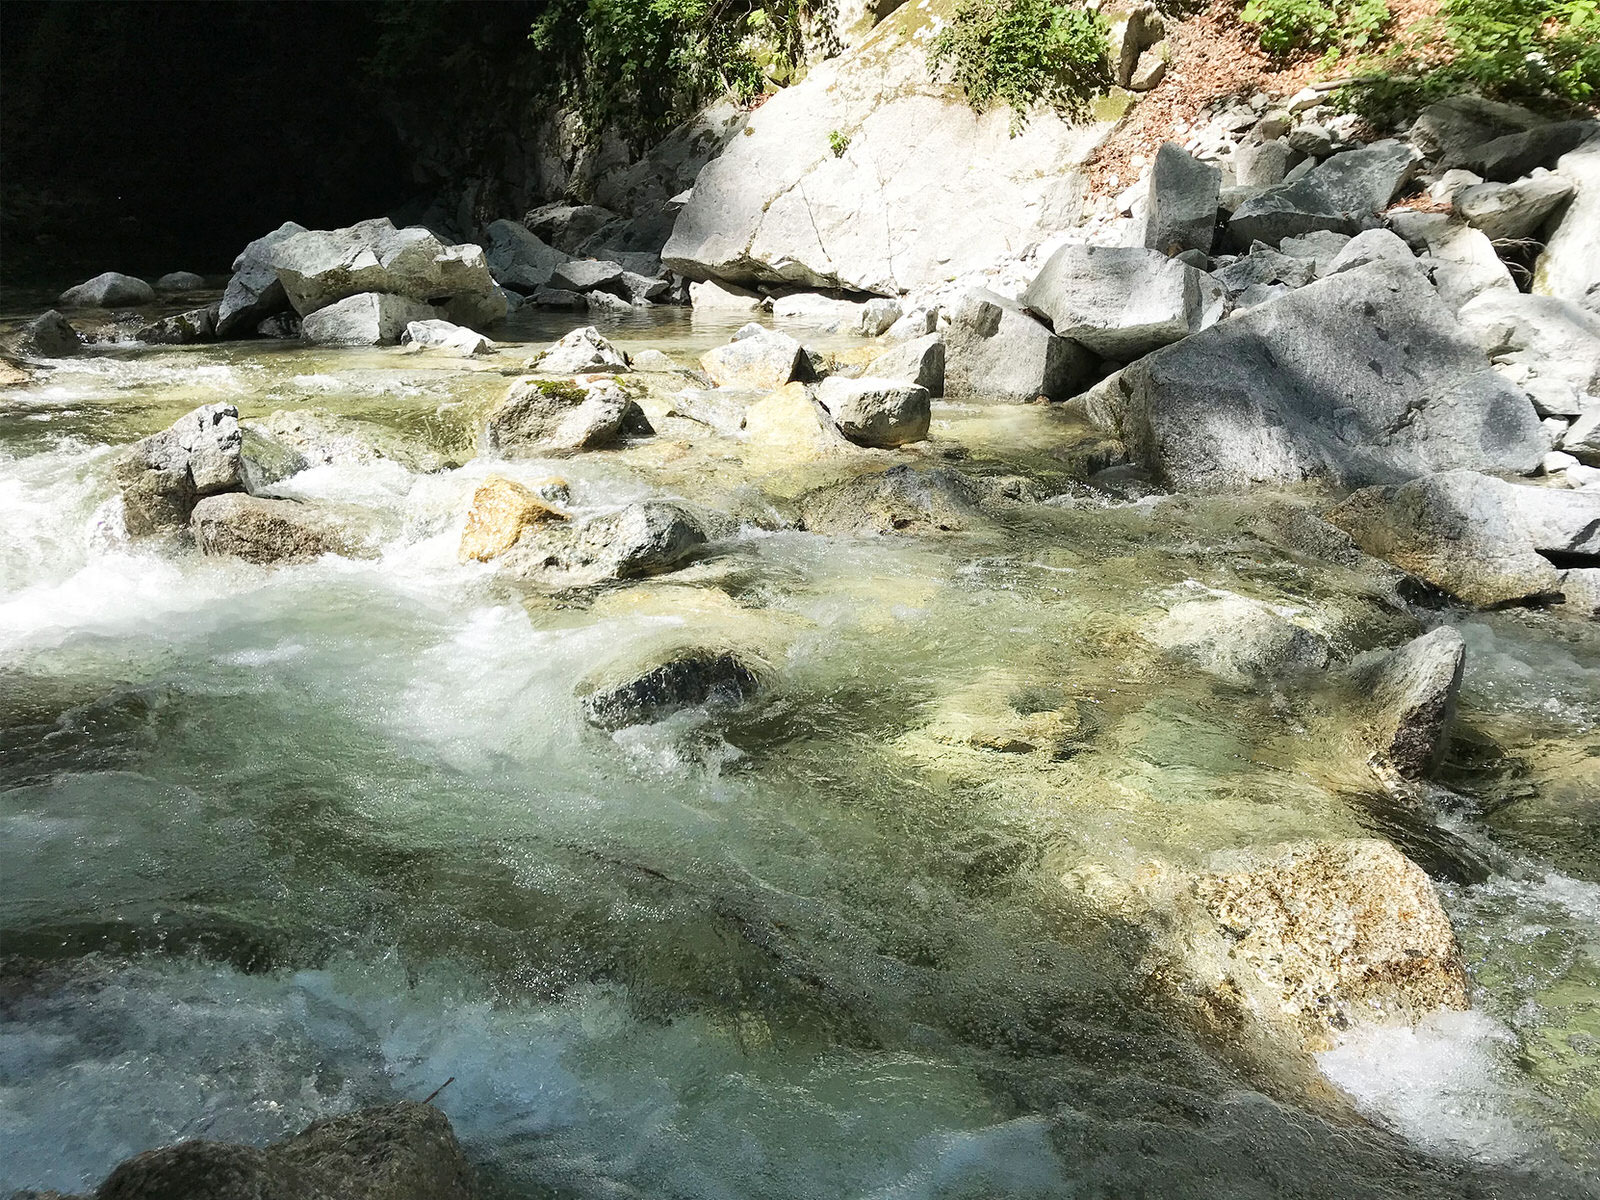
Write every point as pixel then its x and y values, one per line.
pixel 648 538
pixel 110 290
pixel 540 416
pixel 1410 698
pixel 583 350
pixel 764 359
pixel 367 319
pixel 263 530
pixel 876 412
pixel 501 509
pixel 997 350
pixel 1123 301
pixel 1240 640
pixel 254 293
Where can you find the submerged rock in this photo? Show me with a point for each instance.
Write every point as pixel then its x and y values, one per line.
pixel 325 438
pixel 262 530
pixel 904 498
pixel 876 412
pixel 1410 694
pixel 1123 301
pixel 764 359
pixel 647 538
pixel 367 319
pixel 1240 640
pixel 690 678
pixel 501 509
pixel 49 335
pixel 541 416
pixel 182 329
pixel 578 353
pixel 400 1151
pixel 109 290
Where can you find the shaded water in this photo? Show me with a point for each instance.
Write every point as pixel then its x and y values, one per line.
pixel 280 842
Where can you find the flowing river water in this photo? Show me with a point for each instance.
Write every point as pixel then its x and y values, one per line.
pixel 278 842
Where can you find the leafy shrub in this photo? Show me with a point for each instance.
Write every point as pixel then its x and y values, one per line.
pixel 1287 28
pixel 838 142
pixel 1024 53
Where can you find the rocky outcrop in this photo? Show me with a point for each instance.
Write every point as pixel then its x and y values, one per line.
pixel 689 678
pixel 876 412
pixel 647 538
pixel 541 416
pixel 1410 697
pixel 1362 377
pixel 996 350
pixel 921 189
pixel 397 1152
pixel 263 530
pixel 501 509
pixel 1239 640
pixel 757 358
pixel 109 290
pixel 1478 538
pixel 254 293
pixel 367 319
pixel 1123 301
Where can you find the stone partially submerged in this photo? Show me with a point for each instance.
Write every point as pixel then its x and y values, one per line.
pixel 367 319
pixel 1362 377
pixel 265 530
pixel 501 509
pixel 876 412
pixel 1410 698
pixel 254 293
pixel 540 416
pixel 691 677
pixel 648 538
pixel 763 358
pixel 997 350
pixel 1239 640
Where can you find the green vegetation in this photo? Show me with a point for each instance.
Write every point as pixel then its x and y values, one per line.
pixel 838 142
pixel 1024 53
pixel 1288 28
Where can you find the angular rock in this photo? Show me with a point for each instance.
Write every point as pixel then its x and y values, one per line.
pixel 109 290
pixel 1518 154
pixel 568 226
pixel 876 412
pixel 1240 640
pixel 1261 164
pixel 995 349
pixel 323 266
pixel 1582 438
pixel 920 361
pixel 182 329
pixel 825 313
pixel 1410 697
pixel 1341 194
pixel 1451 184
pixel 586 275
pixel 912 324
pixel 1464 264
pixel 1580 593
pixel 520 259
pixel 262 530
pixel 1570 265
pixel 765 359
pixel 1321 246
pixel 367 319
pixel 691 678
pixel 878 314
pixel 1556 338
pixel 1264 266
pixel 501 509
pixel 180 281
pixel 558 299
pixel 1506 211
pixel 442 335
pixel 254 293
pixel 1181 209
pixel 582 351
pixel 1122 302
pixel 648 538
pixel 402 1151
pixel 902 499
pixel 320 437
pixel 1473 536
pixel 1370 246
pixel 713 295
pixel 1311 139
pixel 49 335
pixel 1450 130
pixel 1150 71
pixel 1358 378
pixel 541 416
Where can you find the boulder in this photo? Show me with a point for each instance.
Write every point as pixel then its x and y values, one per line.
pixel 1517 154
pixel 12 374
pixel 1506 211
pixel 876 412
pixel 587 275
pixel 712 296
pixel 49 335
pixel 647 538
pixel 926 190
pixel 787 420
pixel 1555 338
pixel 1580 593
pixel 689 678
pixel 254 293
pixel 180 281
pixel 520 259
pixel 402 1151
pixel 913 323
pixel 996 350
pixel 1321 246
pixel 1362 377
pixel 826 313
pixel 182 329
pixel 1122 302
pixel 1570 265
pixel 568 226
pixel 1341 194
pixel 1239 640
pixel 540 416
pixel 1451 184
pixel 262 530
pixel 1263 266
pixel 1370 246
pixel 1150 71
pixel 323 438
pixel 903 499
pixel 580 352
pixel 109 290
pixel 501 509
pixel 1582 437
pixel 1464 264
pixel 919 361
pixel 1481 539
pixel 1262 164
pixel 878 314
pixel 367 319
pixel 203 453
pixel 435 334
pixel 323 266
pixel 763 359
pixel 559 299
pixel 1181 209
pixel 285 326
pixel 1449 131
pixel 1409 696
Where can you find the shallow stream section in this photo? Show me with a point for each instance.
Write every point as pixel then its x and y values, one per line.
pixel 278 842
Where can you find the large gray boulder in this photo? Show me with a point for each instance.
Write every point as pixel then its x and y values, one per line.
pixel 765 358
pixel 1517 154
pixel 541 417
pixel 367 319
pixel 1341 193
pixel 1481 539
pixel 322 266
pixel 919 361
pixel 587 275
pixel 1506 211
pixel 922 189
pixel 1410 700
pixel 403 1151
pixel 182 329
pixel 262 530
pixel 1449 131
pixel 1123 301
pixel 519 258
pixel 1570 265
pixel 568 226
pixel 1181 208
pixel 180 281
pixel 109 290
pixel 1461 260
pixel 996 350
pixel 647 538
pixel 1362 377
pixel 876 412
pixel 254 293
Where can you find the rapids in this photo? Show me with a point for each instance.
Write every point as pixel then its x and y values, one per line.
pixel 282 841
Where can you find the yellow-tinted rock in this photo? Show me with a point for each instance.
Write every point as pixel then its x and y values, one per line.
pixel 787 419
pixel 501 509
